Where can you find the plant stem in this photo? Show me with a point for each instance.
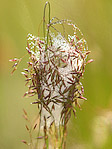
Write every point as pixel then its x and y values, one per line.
pixel 48 25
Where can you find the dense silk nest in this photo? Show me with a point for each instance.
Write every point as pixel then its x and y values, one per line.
pixel 55 74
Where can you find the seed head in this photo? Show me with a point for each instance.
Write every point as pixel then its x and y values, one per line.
pixel 55 73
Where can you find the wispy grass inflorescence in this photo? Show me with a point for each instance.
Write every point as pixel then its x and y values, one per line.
pixel 56 65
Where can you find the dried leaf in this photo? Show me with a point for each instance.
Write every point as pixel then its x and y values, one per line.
pixel 81 97
pixel 40 137
pixel 13 70
pixel 24 142
pixel 25 112
pixel 27 128
pixel 13 60
pixel 35 126
pixel 89 61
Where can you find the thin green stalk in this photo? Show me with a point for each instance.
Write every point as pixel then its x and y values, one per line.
pixel 48 25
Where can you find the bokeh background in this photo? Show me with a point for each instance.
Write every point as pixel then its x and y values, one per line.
pixel 92 129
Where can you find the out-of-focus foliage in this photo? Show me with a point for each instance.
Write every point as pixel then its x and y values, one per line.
pixel 18 18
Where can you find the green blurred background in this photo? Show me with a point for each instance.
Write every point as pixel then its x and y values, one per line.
pixel 92 129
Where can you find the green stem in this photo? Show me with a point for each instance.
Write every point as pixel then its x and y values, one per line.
pixel 48 25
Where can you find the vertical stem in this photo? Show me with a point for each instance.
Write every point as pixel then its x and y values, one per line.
pixel 48 25
pixel 46 145
pixel 64 136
